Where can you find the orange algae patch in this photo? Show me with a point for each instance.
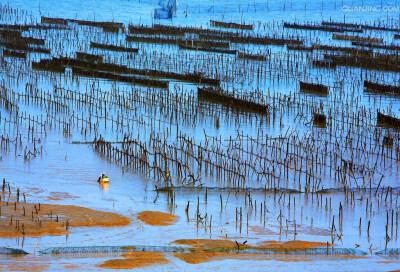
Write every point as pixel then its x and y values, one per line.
pixel 271 242
pixel 293 244
pixel 71 267
pixel 128 248
pixel 206 250
pixel 387 262
pixel 135 260
pixel 43 221
pixel 34 190
pixel 200 256
pixel 156 218
pixel 204 244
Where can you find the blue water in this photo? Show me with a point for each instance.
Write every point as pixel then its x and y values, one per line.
pixel 73 169
pixel 200 12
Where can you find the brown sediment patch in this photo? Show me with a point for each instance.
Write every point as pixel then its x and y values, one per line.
pixel 206 250
pixel 60 196
pixel 34 190
pixel 71 266
pixel 135 260
pixel 202 244
pixel 387 262
pixel 52 219
pixel 156 218
pixel 262 231
pixel 292 244
pixel 128 248
pixel 271 242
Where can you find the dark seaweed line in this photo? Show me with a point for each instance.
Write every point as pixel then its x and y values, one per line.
pixel 127 79
pixel 113 47
pixel 109 67
pixel 112 249
pixel 219 96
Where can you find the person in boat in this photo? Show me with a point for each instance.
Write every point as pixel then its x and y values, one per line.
pixel 103 177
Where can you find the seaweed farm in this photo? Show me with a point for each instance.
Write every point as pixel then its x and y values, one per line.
pixel 235 135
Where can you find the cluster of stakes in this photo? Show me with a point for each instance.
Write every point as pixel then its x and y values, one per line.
pixel 272 109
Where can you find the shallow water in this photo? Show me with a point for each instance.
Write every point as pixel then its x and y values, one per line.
pixel 63 167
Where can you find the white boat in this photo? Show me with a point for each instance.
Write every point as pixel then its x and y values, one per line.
pixel 167 10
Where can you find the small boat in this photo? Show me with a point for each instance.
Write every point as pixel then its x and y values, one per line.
pixel 103 177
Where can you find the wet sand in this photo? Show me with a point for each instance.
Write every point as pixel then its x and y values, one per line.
pixel 156 218
pixel 28 219
pixel 206 250
pixel 135 260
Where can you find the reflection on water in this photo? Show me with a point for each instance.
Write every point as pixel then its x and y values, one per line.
pixel 103 186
